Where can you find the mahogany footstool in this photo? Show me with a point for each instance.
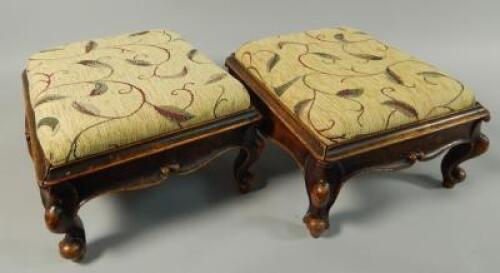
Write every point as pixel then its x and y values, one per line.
pixel 341 102
pixel 125 112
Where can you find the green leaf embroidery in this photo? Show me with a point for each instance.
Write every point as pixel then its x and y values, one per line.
pixel 48 98
pixel 350 93
pixel 85 108
pixel 215 78
pixel 51 122
pixel 173 113
pixel 299 108
pixel 99 88
pixel 272 62
pixel 279 90
pixel 339 36
pixel 91 45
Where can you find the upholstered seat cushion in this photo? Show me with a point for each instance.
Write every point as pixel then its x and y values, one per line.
pixel 341 83
pixel 93 96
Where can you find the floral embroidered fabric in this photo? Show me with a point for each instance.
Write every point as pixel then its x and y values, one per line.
pixel 93 96
pixel 342 83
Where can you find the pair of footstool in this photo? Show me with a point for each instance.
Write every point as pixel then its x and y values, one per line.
pixel 124 113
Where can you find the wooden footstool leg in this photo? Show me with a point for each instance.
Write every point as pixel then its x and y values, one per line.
pixel 323 184
pixel 452 172
pixel 252 147
pixel 61 206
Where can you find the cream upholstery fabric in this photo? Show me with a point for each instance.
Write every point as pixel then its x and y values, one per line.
pixel 342 83
pixel 92 96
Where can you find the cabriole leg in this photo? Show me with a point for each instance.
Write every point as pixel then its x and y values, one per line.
pixel 61 204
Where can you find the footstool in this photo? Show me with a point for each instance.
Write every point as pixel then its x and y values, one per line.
pixel 125 112
pixel 341 102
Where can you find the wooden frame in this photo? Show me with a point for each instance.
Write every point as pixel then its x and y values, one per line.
pixel 326 167
pixel 65 188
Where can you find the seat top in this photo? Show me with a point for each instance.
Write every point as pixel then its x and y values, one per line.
pixel 93 96
pixel 341 83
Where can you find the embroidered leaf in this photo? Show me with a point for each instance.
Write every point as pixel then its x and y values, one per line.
pixel 403 107
pixel 216 78
pixel 139 62
pixel 91 45
pixel 327 56
pixel 173 113
pixel 181 74
pixel 300 106
pixel 350 93
pixel 85 108
pixel 99 88
pixel 139 33
pixel 192 53
pixel 394 76
pixel 92 63
pixel 368 57
pixel 51 122
pixel 272 62
pixel 48 98
pixel 339 36
pixel 279 90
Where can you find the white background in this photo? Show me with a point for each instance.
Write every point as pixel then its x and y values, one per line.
pixel 395 222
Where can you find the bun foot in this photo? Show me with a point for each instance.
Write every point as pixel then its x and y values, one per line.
pixel 457 175
pixel 316 226
pixel 72 248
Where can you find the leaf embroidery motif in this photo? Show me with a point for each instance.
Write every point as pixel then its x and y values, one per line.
pixel 51 122
pixel 350 93
pixel 339 36
pixel 272 62
pixel 99 88
pixel 368 57
pixel 48 98
pixel 215 78
pixel 299 108
pixel 326 56
pixel 394 76
pixel 85 108
pixel 139 62
pixel 91 45
pixel 173 113
pixel 139 33
pixel 181 74
pixel 92 63
pixel 403 107
pixel 279 90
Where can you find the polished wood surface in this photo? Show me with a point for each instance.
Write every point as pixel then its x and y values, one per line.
pixel 327 167
pixel 65 188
